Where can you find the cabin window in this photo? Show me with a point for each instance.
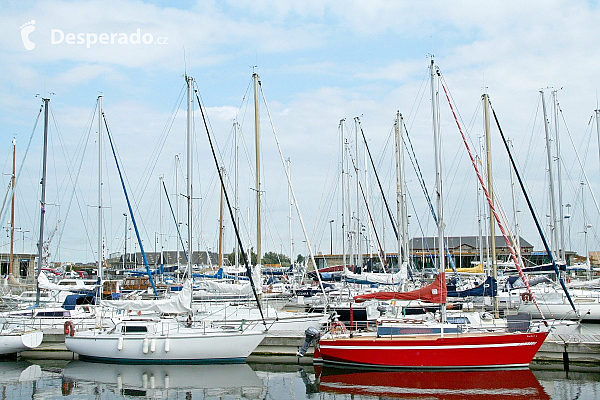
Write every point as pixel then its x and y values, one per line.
pixel 52 314
pixel 134 329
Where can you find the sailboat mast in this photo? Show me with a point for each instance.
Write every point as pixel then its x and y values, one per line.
pixel 291 215
pixel 585 228
pixel 479 218
pixel 190 107
pixel 257 149
pixel 177 206
pixel 100 252
pixel 561 216
pixel 160 237
pixel 343 193
pixel 237 191
pixel 597 112
pixel 358 220
pixel 401 195
pixel 550 179
pixel 369 234
pixel 125 249
pixel 12 211
pixel 42 202
pixel 490 184
pixel 438 179
pixel 221 225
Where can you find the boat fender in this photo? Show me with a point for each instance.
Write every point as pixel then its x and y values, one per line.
pixel 120 344
pixel 526 296
pixel 69 328
pixel 153 345
pixel 167 382
pixel 167 345
pixel 145 346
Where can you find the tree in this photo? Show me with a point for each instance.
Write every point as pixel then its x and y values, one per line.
pixel 274 258
pixel 231 257
pixel 300 259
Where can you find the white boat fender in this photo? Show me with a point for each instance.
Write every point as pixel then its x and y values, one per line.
pixel 145 380
pixel 120 344
pixel 167 345
pixel 145 346
pixel 119 382
pixel 152 382
pixel 167 382
pixel 153 345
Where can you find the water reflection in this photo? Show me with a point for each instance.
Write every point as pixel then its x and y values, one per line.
pixel 515 384
pixel 273 379
pixel 19 371
pixel 154 380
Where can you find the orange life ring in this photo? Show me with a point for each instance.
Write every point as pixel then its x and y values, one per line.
pixel 69 328
pixel 568 279
pixel 526 296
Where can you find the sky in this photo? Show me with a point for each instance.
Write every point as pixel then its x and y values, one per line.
pixel 319 63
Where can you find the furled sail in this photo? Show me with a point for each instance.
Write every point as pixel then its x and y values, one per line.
pixel 373 277
pixel 435 292
pixel 174 305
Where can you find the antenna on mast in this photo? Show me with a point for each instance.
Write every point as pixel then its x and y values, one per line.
pixel 184 62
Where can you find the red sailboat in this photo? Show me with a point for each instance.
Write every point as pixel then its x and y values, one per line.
pixel 441 345
pixel 446 347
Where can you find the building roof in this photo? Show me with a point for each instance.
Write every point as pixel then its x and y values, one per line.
pixel 454 242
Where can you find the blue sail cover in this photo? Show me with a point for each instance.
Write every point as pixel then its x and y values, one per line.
pixel 487 288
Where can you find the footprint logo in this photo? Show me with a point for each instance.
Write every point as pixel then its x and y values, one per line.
pixel 26 29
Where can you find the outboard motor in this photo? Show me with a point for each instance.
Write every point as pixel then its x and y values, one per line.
pixel 312 334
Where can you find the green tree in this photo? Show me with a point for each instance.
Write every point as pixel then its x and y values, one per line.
pixel 274 258
pixel 231 257
pixel 300 259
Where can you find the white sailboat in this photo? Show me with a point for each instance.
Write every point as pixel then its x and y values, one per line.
pixel 156 335
pixel 164 340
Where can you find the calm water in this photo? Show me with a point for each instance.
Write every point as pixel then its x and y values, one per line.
pixel 53 379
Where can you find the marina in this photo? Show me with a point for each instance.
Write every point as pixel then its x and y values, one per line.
pixel 278 200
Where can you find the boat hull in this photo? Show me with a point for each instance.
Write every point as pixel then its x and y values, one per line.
pixel 586 312
pixel 225 347
pixel 465 351
pixel 14 342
